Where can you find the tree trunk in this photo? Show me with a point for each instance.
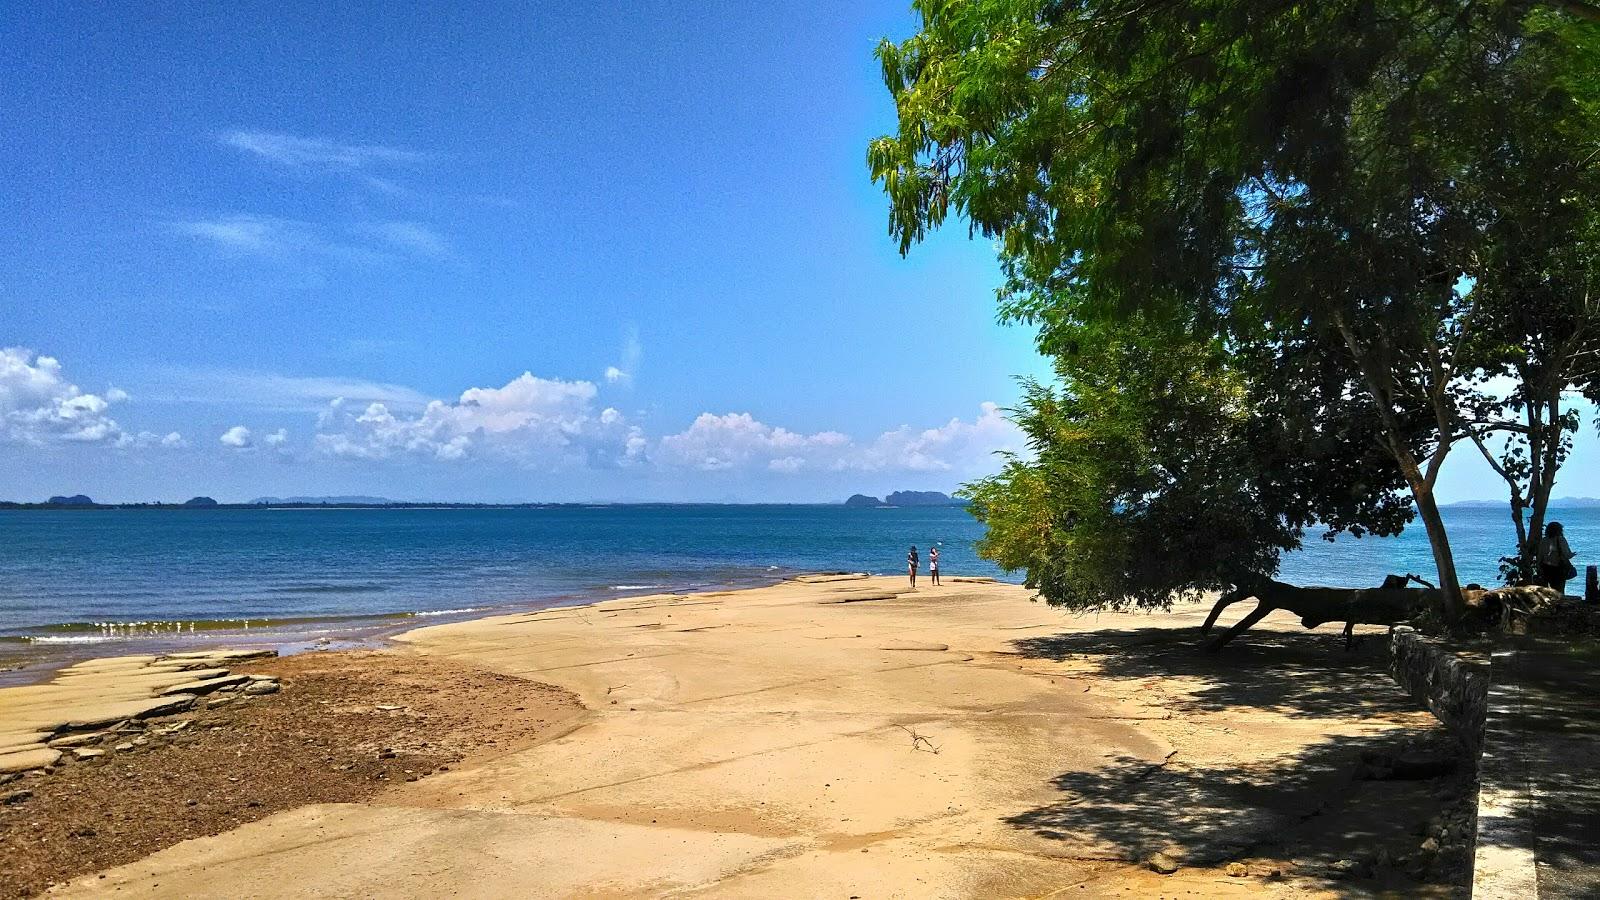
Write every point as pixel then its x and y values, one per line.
pixel 1449 585
pixel 1319 605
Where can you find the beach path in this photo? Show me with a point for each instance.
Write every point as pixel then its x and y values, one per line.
pixel 828 737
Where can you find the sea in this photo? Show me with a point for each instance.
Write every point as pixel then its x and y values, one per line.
pixel 104 581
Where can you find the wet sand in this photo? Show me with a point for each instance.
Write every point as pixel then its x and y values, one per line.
pixel 852 738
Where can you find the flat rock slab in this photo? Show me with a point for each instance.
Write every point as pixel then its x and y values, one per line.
pixel 77 740
pixel 221 656
pixel 824 578
pixel 24 760
pixel 94 716
pixel 206 686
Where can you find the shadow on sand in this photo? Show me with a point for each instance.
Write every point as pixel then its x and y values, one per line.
pixel 1332 811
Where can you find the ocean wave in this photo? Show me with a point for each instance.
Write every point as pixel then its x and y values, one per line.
pixel 449 612
pixel 71 638
pixel 326 588
pixel 637 587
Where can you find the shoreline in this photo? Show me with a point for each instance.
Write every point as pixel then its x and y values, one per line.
pixel 838 731
pixel 29 660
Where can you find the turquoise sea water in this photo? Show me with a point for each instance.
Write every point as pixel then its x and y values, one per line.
pixel 99 576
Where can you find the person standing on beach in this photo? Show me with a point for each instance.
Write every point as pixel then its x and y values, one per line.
pixel 1555 558
pixel 911 565
pixel 933 565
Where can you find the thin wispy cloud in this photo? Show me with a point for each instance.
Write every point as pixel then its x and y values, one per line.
pixel 628 365
pixel 272 392
pixel 412 237
pixel 244 234
pixel 296 151
pixel 241 233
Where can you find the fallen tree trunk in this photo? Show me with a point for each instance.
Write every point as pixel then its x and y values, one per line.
pixel 1387 605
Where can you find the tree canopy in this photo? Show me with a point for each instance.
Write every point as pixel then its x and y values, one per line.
pixel 1324 218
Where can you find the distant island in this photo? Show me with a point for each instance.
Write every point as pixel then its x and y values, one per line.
pixel 351 500
pixel 1556 503
pixel 904 498
pixel 200 501
pixel 74 500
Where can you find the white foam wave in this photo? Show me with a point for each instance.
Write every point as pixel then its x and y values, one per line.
pixel 636 587
pixel 450 612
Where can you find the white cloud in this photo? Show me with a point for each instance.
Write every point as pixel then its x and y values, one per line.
pixel 246 233
pixel 277 439
pixel 38 404
pixel 632 352
pixel 737 441
pixel 412 237
pixel 263 390
pixel 238 437
pixel 310 152
pixel 172 440
pixel 956 445
pixel 533 421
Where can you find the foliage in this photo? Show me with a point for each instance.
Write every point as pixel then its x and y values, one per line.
pixel 1324 194
pixel 1169 469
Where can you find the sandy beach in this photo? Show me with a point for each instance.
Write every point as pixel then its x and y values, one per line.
pixel 845 737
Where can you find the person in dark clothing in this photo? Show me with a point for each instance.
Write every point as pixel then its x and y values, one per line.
pixel 1555 558
pixel 911 566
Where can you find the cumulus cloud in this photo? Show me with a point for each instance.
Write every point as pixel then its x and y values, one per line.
pixel 38 403
pixel 277 438
pixel 238 438
pixel 172 440
pixel 536 421
pixel 955 445
pixel 738 441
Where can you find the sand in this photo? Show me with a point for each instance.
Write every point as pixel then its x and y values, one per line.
pixel 849 738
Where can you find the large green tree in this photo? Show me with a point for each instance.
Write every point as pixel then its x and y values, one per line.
pixel 1284 180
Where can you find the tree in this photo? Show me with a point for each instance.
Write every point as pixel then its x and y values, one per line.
pixel 1536 320
pixel 1279 177
pixel 1171 467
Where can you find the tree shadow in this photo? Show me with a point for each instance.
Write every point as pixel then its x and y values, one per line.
pixel 1331 809
pixel 1554 730
pixel 1322 810
pixel 1295 675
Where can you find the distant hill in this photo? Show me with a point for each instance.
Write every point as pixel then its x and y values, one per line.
pixel 200 501
pixel 1557 503
pixel 74 500
pixel 921 498
pixel 335 501
pixel 863 500
pixel 905 498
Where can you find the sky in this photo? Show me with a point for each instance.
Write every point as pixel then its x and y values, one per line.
pixel 519 252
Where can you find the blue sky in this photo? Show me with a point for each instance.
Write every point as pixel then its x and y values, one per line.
pixel 314 248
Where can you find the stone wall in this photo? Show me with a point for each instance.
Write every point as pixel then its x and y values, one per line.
pixel 1455 689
